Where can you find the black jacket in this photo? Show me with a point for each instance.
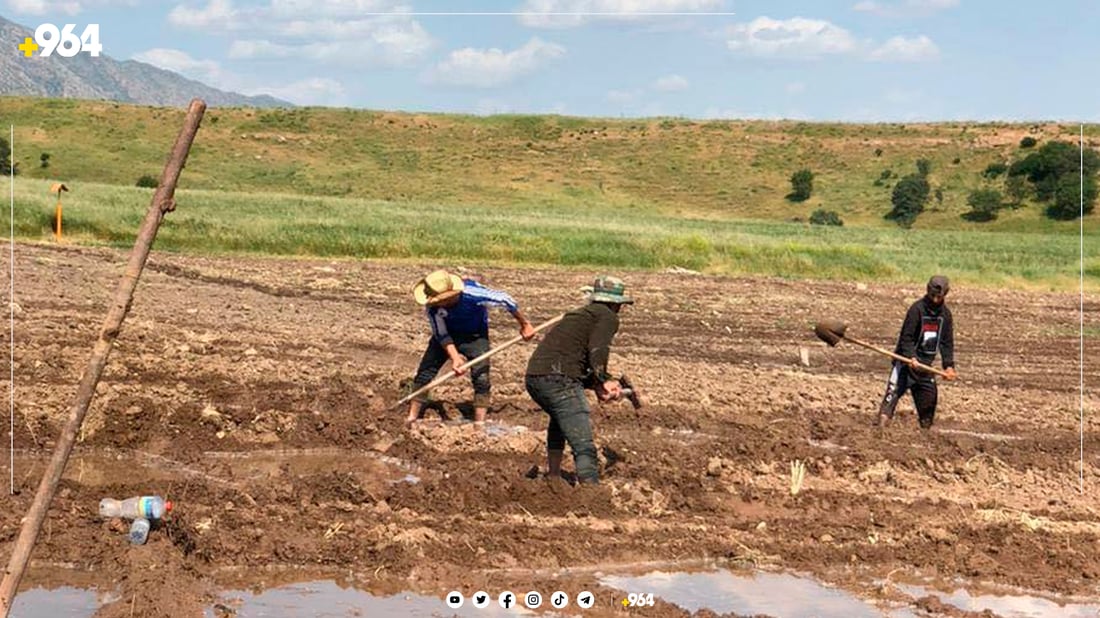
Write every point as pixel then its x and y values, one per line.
pixel 926 330
pixel 579 346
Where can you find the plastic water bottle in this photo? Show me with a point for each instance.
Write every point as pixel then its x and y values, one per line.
pixel 139 531
pixel 147 507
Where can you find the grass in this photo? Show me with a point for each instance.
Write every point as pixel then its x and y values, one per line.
pixel 536 232
pixel 681 168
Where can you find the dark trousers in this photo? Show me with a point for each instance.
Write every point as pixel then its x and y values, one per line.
pixel 923 386
pixel 471 346
pixel 563 399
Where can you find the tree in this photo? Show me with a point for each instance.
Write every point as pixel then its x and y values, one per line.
pixel 825 217
pixel 45 159
pixel 924 166
pixel 5 158
pixel 148 182
pixel 984 204
pixel 1016 189
pixel 909 198
pixel 802 185
pixel 1067 197
pixel 1028 142
pixel 1054 170
pixel 993 170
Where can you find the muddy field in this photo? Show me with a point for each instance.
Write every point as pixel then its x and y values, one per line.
pixel 256 395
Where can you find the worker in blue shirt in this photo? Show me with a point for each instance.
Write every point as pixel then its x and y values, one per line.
pixel 457 310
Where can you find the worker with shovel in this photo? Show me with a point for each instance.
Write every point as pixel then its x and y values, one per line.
pixel 927 329
pixel 571 358
pixel 457 310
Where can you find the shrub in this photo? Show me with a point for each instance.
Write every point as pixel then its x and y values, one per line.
pixel 148 182
pixel 1028 142
pixel 908 199
pixel 984 204
pixel 993 170
pixel 802 185
pixel 825 217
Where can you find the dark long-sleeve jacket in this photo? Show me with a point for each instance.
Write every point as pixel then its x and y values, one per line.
pixel 927 329
pixel 579 346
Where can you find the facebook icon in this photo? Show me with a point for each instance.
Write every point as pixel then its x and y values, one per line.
pixel 506 599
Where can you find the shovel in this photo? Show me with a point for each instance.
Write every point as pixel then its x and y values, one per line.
pixel 470 363
pixel 832 331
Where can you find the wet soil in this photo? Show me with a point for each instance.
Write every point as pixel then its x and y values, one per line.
pixel 256 395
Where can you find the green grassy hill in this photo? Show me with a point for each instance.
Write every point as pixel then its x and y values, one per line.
pixel 716 169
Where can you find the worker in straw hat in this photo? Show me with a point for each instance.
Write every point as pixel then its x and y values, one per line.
pixel 457 310
pixel 928 328
pixel 571 358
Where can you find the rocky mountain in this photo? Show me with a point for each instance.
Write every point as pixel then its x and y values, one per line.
pixel 102 77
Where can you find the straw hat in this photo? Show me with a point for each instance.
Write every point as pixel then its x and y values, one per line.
pixel 437 287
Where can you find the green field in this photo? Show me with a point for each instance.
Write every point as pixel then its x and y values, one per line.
pixel 605 236
pixel 626 193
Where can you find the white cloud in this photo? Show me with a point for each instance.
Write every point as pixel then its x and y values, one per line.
pixel 339 31
pixel 206 71
pixel 571 13
pixel 901 49
pixel 795 88
pixel 670 83
pixel 67 7
pixel 622 97
pixel 717 113
pixel 797 37
pixel 488 68
pixel 905 8
pixel 313 91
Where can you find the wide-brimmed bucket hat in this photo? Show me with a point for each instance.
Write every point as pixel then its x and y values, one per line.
pixel 607 289
pixel 437 287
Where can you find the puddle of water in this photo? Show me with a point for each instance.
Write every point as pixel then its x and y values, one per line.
pixel 1007 606
pixel 774 594
pixel 61 601
pixel 327 599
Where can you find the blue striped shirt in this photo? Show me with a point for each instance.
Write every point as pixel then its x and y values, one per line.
pixel 471 315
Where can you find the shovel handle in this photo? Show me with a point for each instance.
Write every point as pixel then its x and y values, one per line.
pixel 470 363
pixel 899 357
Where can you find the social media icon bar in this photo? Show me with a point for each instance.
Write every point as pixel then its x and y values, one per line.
pixel 506 599
pixel 454 599
pixel 586 600
pixel 559 599
pixel 480 599
pixel 532 600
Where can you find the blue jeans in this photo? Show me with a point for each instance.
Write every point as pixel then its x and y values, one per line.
pixel 471 346
pixel 563 399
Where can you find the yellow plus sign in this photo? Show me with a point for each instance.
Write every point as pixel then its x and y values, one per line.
pixel 626 602
pixel 28 47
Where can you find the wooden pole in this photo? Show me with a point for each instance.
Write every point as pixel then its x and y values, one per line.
pixel 162 203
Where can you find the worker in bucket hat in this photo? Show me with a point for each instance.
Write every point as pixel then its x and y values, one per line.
pixel 928 328
pixel 572 357
pixel 457 311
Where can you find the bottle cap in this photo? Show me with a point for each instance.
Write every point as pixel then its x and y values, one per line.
pixel 167 506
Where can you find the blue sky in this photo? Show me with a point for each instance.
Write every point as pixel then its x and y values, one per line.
pixel 850 60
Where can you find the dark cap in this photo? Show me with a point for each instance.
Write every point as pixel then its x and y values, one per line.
pixel 938 286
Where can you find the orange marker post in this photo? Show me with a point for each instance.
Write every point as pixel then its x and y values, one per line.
pixel 57 188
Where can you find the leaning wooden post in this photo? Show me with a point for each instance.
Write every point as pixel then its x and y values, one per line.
pixel 162 203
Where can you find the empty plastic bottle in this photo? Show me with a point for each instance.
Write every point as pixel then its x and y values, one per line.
pixel 148 507
pixel 139 531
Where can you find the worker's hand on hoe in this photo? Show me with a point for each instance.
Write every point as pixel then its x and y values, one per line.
pixel 610 390
pixel 951 374
pixel 456 364
pixel 914 363
pixel 527 331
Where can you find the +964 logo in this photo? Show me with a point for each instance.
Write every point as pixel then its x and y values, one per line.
pixel 49 39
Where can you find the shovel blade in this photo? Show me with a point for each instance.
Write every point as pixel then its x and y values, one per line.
pixel 830 331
